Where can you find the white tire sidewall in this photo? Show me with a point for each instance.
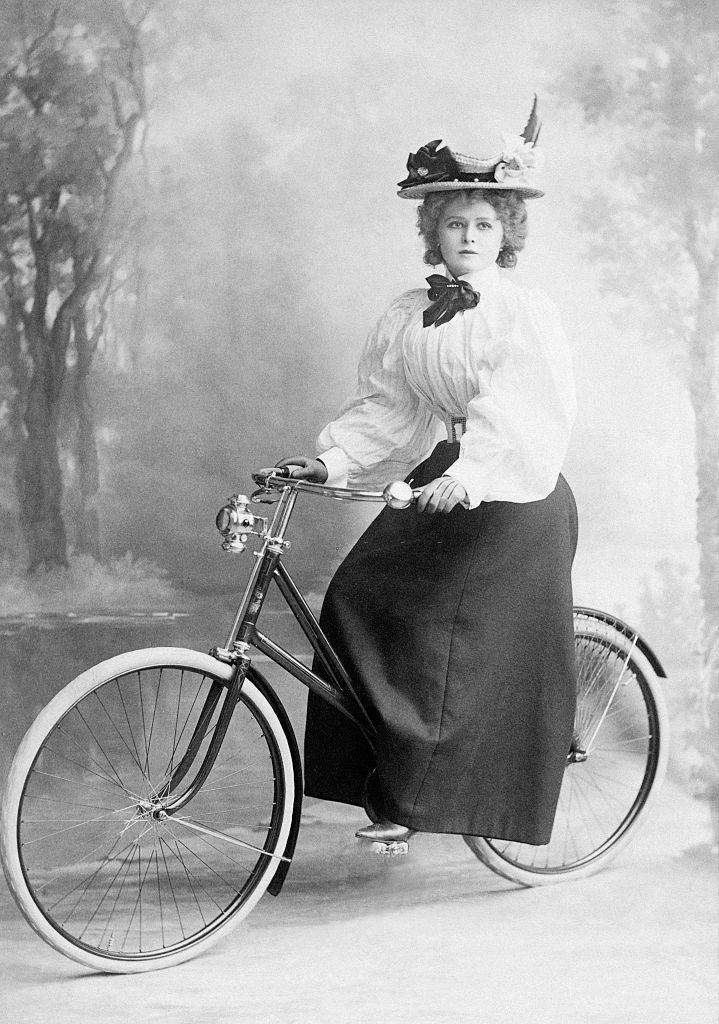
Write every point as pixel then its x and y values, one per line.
pixel 176 657
pixel 593 627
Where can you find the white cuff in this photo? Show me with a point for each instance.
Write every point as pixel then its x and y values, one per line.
pixel 474 483
pixel 465 500
pixel 337 465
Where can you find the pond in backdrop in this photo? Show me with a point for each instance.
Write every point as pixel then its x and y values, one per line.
pixel 41 653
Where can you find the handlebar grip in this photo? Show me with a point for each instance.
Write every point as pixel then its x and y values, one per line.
pixel 398 494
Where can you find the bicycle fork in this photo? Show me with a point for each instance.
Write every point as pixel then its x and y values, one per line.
pixel 236 652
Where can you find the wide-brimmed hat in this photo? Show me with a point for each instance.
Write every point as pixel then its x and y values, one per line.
pixel 432 169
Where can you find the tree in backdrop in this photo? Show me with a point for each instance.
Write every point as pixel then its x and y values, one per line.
pixel 653 220
pixel 72 118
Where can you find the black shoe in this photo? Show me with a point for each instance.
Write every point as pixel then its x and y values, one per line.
pixel 385 832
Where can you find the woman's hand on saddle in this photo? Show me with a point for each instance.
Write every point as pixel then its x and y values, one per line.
pixel 305 468
pixel 441 495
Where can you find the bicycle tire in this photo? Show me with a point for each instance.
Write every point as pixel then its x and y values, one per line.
pixel 152 892
pixel 621 724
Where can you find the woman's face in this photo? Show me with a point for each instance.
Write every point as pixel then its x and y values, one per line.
pixel 470 235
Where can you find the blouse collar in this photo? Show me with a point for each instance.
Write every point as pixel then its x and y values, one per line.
pixel 482 280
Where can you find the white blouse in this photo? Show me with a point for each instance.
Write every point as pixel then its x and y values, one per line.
pixel 505 366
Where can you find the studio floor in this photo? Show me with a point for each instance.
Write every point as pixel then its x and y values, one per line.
pixel 434 937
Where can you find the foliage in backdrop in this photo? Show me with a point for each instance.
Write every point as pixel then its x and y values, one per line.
pixel 159 334
pixel 133 288
pixel 652 104
pixel 72 118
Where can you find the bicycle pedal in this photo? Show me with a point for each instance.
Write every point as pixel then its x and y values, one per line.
pixel 394 849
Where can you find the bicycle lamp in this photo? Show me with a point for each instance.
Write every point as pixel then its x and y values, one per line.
pixel 235 522
pixel 398 494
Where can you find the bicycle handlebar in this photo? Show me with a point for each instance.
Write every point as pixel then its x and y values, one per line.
pixel 236 522
pixel 397 494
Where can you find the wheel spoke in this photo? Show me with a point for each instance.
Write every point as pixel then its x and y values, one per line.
pixel 110 873
pixel 100 774
pixel 111 720
pixel 121 697
pixel 247 768
pixel 600 798
pixel 111 766
pixel 176 742
pixel 72 782
pixel 189 877
pixel 71 828
pixel 84 884
pixel 169 767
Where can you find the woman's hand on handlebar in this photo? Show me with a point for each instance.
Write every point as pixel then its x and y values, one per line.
pixel 441 495
pixel 305 468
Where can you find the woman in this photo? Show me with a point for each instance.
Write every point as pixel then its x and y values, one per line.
pixel 455 616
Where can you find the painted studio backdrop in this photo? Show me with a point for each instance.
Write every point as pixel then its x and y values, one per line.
pixel 198 226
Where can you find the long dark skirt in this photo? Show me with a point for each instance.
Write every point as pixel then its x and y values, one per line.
pixel 457 629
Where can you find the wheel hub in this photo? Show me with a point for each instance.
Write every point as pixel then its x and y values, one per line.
pixel 150 810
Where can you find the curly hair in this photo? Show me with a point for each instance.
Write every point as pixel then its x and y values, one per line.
pixel 511 210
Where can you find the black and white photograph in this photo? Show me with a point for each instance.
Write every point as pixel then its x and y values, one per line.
pixel 359 511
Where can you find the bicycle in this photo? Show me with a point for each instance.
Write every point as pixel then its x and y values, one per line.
pixel 158 796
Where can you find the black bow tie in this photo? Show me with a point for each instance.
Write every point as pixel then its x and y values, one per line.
pixel 448 297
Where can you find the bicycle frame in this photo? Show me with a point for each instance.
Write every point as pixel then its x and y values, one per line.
pixel 337 688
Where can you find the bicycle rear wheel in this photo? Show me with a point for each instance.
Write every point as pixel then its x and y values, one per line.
pixel 97 868
pixel 617 761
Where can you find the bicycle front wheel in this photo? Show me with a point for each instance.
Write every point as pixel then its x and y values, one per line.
pixel 617 760
pixel 97 868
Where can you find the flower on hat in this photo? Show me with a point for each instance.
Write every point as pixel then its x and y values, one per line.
pixel 429 163
pixel 518 156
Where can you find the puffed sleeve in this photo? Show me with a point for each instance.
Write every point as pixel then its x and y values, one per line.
pixel 384 429
pixel 518 428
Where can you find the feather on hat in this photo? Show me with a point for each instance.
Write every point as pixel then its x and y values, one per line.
pixel 435 169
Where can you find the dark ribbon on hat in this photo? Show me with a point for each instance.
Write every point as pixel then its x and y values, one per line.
pixel 448 297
